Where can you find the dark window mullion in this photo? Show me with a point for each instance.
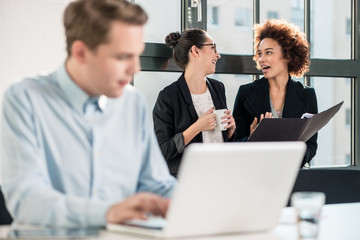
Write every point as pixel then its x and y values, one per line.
pixel 355 138
pixel 256 19
pixel 307 22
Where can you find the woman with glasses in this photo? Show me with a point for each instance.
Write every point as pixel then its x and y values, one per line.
pixel 183 112
pixel 281 51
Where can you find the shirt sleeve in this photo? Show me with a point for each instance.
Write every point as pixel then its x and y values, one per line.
pixel 28 191
pixel 154 176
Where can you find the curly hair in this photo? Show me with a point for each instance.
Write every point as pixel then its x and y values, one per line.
pixel 295 47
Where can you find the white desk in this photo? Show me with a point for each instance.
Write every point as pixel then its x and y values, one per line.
pixel 339 222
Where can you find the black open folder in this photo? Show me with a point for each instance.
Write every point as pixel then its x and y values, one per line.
pixel 292 129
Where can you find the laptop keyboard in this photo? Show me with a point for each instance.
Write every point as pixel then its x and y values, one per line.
pixel 151 223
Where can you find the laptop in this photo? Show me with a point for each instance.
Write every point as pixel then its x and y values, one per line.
pixel 226 188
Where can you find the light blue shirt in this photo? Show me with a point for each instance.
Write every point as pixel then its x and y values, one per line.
pixel 66 157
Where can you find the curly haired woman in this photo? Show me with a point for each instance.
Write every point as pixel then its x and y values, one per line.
pixel 281 52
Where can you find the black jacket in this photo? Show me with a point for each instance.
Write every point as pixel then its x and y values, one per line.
pixel 174 112
pixel 252 100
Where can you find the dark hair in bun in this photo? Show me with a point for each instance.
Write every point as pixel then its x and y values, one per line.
pixel 182 43
pixel 172 39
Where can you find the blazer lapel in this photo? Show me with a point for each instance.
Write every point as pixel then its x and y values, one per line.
pixel 185 92
pixel 214 96
pixel 294 103
pixel 257 102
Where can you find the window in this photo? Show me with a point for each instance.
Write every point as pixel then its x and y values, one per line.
pixel 348 26
pixel 334 139
pixel 292 11
pixel 213 16
pixel 348 159
pixel 272 14
pixel 235 34
pixel 297 14
pixel 329 29
pixel 348 118
pixel 242 18
pixel 298 4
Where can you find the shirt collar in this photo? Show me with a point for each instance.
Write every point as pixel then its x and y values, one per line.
pixel 74 94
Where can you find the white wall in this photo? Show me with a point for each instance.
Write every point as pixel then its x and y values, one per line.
pixel 31 38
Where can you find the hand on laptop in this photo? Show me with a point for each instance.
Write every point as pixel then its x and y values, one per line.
pixel 137 207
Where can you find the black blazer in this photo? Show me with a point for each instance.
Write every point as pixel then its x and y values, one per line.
pixel 174 112
pixel 252 100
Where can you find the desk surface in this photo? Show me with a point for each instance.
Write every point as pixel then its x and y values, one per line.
pixel 339 221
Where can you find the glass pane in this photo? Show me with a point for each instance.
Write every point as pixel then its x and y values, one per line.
pixel 230 23
pixel 164 17
pixel 301 79
pixel 330 29
pixel 151 83
pixel 334 140
pixel 232 83
pixel 292 11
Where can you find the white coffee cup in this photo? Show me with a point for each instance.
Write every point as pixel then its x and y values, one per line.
pixel 220 126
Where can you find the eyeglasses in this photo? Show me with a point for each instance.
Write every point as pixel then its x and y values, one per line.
pixel 210 44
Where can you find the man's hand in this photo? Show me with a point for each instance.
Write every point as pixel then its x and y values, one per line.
pixel 137 206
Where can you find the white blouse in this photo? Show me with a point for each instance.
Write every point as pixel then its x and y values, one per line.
pixel 202 103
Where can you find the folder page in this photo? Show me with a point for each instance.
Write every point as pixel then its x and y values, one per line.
pixel 318 121
pixel 279 129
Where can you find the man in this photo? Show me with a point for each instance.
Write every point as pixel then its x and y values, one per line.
pixel 78 149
